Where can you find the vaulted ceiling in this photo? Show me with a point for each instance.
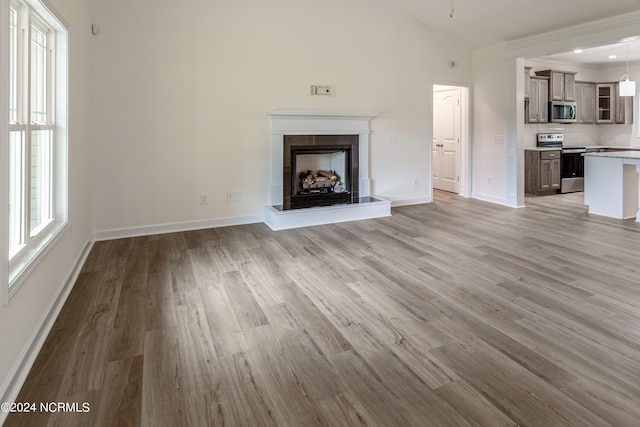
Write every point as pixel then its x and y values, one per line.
pixel 486 22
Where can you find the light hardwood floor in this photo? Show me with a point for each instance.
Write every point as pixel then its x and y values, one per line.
pixel 453 313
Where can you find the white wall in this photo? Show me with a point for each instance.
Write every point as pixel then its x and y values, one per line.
pixel 23 317
pixel 490 100
pixel 180 96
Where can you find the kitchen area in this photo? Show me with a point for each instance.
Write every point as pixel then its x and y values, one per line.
pixel 580 122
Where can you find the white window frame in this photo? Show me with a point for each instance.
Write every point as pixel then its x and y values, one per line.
pixel 17 265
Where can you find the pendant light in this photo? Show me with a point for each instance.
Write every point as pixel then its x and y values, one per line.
pixel 452 10
pixel 627 87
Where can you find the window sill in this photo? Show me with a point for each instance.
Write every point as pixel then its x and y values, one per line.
pixel 26 263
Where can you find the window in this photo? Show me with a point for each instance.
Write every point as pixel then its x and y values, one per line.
pixel 36 149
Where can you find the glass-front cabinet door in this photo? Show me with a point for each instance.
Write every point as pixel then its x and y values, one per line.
pixel 606 101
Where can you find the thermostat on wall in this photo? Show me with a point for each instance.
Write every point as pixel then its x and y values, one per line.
pixel 322 90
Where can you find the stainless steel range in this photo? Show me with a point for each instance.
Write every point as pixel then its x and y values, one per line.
pixel 571 164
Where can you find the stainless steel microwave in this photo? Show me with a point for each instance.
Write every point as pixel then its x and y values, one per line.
pixel 562 112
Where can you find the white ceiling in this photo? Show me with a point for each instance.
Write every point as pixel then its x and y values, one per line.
pixel 485 22
pixel 600 55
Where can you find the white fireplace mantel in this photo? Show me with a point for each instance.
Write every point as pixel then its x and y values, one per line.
pixel 302 122
pixel 285 122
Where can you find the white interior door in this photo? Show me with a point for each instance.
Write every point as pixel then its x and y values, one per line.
pixel 436 164
pixel 446 140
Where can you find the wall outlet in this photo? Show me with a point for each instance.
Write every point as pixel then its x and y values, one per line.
pixel 234 197
pixel 488 180
pixel 204 199
pixel 416 182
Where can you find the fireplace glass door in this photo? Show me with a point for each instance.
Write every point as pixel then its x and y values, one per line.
pixel 320 170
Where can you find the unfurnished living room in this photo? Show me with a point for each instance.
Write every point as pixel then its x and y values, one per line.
pixel 293 214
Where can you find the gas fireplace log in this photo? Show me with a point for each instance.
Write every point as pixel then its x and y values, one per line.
pixel 328 174
pixel 321 179
pixel 318 184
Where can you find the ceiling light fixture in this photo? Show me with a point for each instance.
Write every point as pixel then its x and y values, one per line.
pixel 627 87
pixel 577 51
pixel 452 10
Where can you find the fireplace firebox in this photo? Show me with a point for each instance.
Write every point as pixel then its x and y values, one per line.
pixel 320 170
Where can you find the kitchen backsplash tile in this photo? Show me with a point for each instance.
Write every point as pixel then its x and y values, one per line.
pixel 580 135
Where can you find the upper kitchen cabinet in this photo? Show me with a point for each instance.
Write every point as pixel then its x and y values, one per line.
pixel 605 95
pixel 585 102
pixel 537 111
pixel 623 107
pixel 561 84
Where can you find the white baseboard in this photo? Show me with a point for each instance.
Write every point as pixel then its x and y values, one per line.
pixel 490 199
pixel 18 374
pixel 412 201
pixel 176 227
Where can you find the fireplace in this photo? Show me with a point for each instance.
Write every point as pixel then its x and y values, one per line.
pixel 318 143
pixel 319 170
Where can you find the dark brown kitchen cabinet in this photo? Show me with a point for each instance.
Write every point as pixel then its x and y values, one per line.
pixel 561 84
pixel 585 102
pixel 536 108
pixel 542 172
pixel 623 111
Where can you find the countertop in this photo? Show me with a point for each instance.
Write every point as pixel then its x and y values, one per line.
pixel 628 154
pixel 613 147
pixel 588 147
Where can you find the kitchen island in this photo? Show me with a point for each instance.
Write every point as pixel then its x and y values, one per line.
pixel 611 183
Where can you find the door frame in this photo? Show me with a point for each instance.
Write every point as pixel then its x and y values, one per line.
pixel 465 189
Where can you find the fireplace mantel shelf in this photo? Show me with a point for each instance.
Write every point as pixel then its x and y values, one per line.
pixel 309 122
pixel 307 113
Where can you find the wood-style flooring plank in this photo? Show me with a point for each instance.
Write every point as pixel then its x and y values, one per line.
pixel 279 383
pixel 522 397
pixel 123 405
pixel 473 406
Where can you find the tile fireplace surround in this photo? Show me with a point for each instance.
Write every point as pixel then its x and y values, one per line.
pixel 320 123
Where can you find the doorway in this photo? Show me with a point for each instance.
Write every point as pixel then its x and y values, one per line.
pixel 449 161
